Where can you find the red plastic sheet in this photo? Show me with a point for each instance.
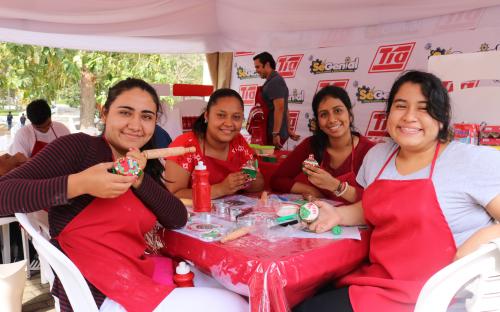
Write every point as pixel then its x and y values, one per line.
pixel 275 275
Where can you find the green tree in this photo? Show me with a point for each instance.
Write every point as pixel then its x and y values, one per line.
pixel 82 78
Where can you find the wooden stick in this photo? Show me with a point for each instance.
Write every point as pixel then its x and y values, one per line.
pixel 263 198
pixel 242 231
pixel 169 151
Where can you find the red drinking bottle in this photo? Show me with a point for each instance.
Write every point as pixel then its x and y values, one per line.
pixel 183 276
pixel 201 189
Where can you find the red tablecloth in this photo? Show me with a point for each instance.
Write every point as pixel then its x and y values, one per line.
pixel 275 275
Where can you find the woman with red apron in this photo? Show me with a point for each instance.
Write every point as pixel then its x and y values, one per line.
pixel 99 219
pixel 411 239
pixel 218 142
pixel 335 144
pixel 349 177
pixel 109 233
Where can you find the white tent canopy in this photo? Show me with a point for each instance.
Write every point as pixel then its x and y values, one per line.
pixel 175 26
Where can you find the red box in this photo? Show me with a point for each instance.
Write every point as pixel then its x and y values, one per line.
pixel 488 141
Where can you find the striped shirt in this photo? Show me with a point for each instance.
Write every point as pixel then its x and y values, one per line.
pixel 42 183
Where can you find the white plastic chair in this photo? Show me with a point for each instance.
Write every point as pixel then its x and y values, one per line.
pixel 4 223
pixel 191 107
pixel 42 220
pixel 478 271
pixel 190 110
pixel 74 283
pixel 12 280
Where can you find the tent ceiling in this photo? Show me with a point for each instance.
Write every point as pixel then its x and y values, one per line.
pixel 203 25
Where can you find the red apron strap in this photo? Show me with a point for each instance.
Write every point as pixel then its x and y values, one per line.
pixel 352 154
pixel 436 153
pixel 386 163
pixel 52 128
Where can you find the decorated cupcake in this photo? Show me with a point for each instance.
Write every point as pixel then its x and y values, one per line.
pixel 250 170
pixel 311 162
pixel 127 166
pixel 308 212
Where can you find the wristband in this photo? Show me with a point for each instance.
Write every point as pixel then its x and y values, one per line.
pixel 341 189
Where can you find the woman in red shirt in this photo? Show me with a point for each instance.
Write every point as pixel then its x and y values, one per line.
pixel 336 146
pixel 219 144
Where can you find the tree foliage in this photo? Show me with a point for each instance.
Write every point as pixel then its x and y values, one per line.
pixel 29 72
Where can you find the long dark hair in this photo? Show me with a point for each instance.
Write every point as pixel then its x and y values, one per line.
pixel 319 140
pixel 153 167
pixel 438 101
pixel 200 125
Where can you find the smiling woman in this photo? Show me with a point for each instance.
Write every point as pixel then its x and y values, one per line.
pixel 216 136
pixel 335 145
pixel 99 219
pixel 419 188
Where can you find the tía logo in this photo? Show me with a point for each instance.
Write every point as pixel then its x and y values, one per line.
pixel 236 54
pixel 333 82
pixel 243 73
pixel 448 85
pixel 293 118
pixel 287 65
pixel 371 95
pixel 296 97
pixel 248 93
pixel 391 58
pixel 323 67
pixel 377 127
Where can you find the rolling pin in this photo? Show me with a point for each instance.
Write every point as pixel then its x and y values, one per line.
pixel 242 231
pixel 169 151
pixel 128 166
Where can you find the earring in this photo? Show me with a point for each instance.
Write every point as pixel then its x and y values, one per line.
pixel 206 121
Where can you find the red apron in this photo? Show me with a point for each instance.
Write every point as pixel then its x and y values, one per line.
pixel 349 177
pixel 106 243
pixel 39 145
pixel 411 240
pixel 257 123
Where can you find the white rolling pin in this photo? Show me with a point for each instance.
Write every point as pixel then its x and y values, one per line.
pixel 169 151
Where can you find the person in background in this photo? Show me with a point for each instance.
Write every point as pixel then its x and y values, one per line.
pixel 33 138
pixel 9 162
pixel 274 93
pixel 22 120
pixel 161 137
pixel 427 200
pixel 219 144
pixel 9 120
pixel 99 219
pixel 336 146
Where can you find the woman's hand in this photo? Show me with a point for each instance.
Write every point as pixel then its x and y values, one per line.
pixel 328 218
pixel 98 182
pixel 234 182
pixel 320 177
pixel 9 162
pixel 141 160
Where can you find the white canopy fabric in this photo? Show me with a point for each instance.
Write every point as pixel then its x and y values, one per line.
pixel 178 26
